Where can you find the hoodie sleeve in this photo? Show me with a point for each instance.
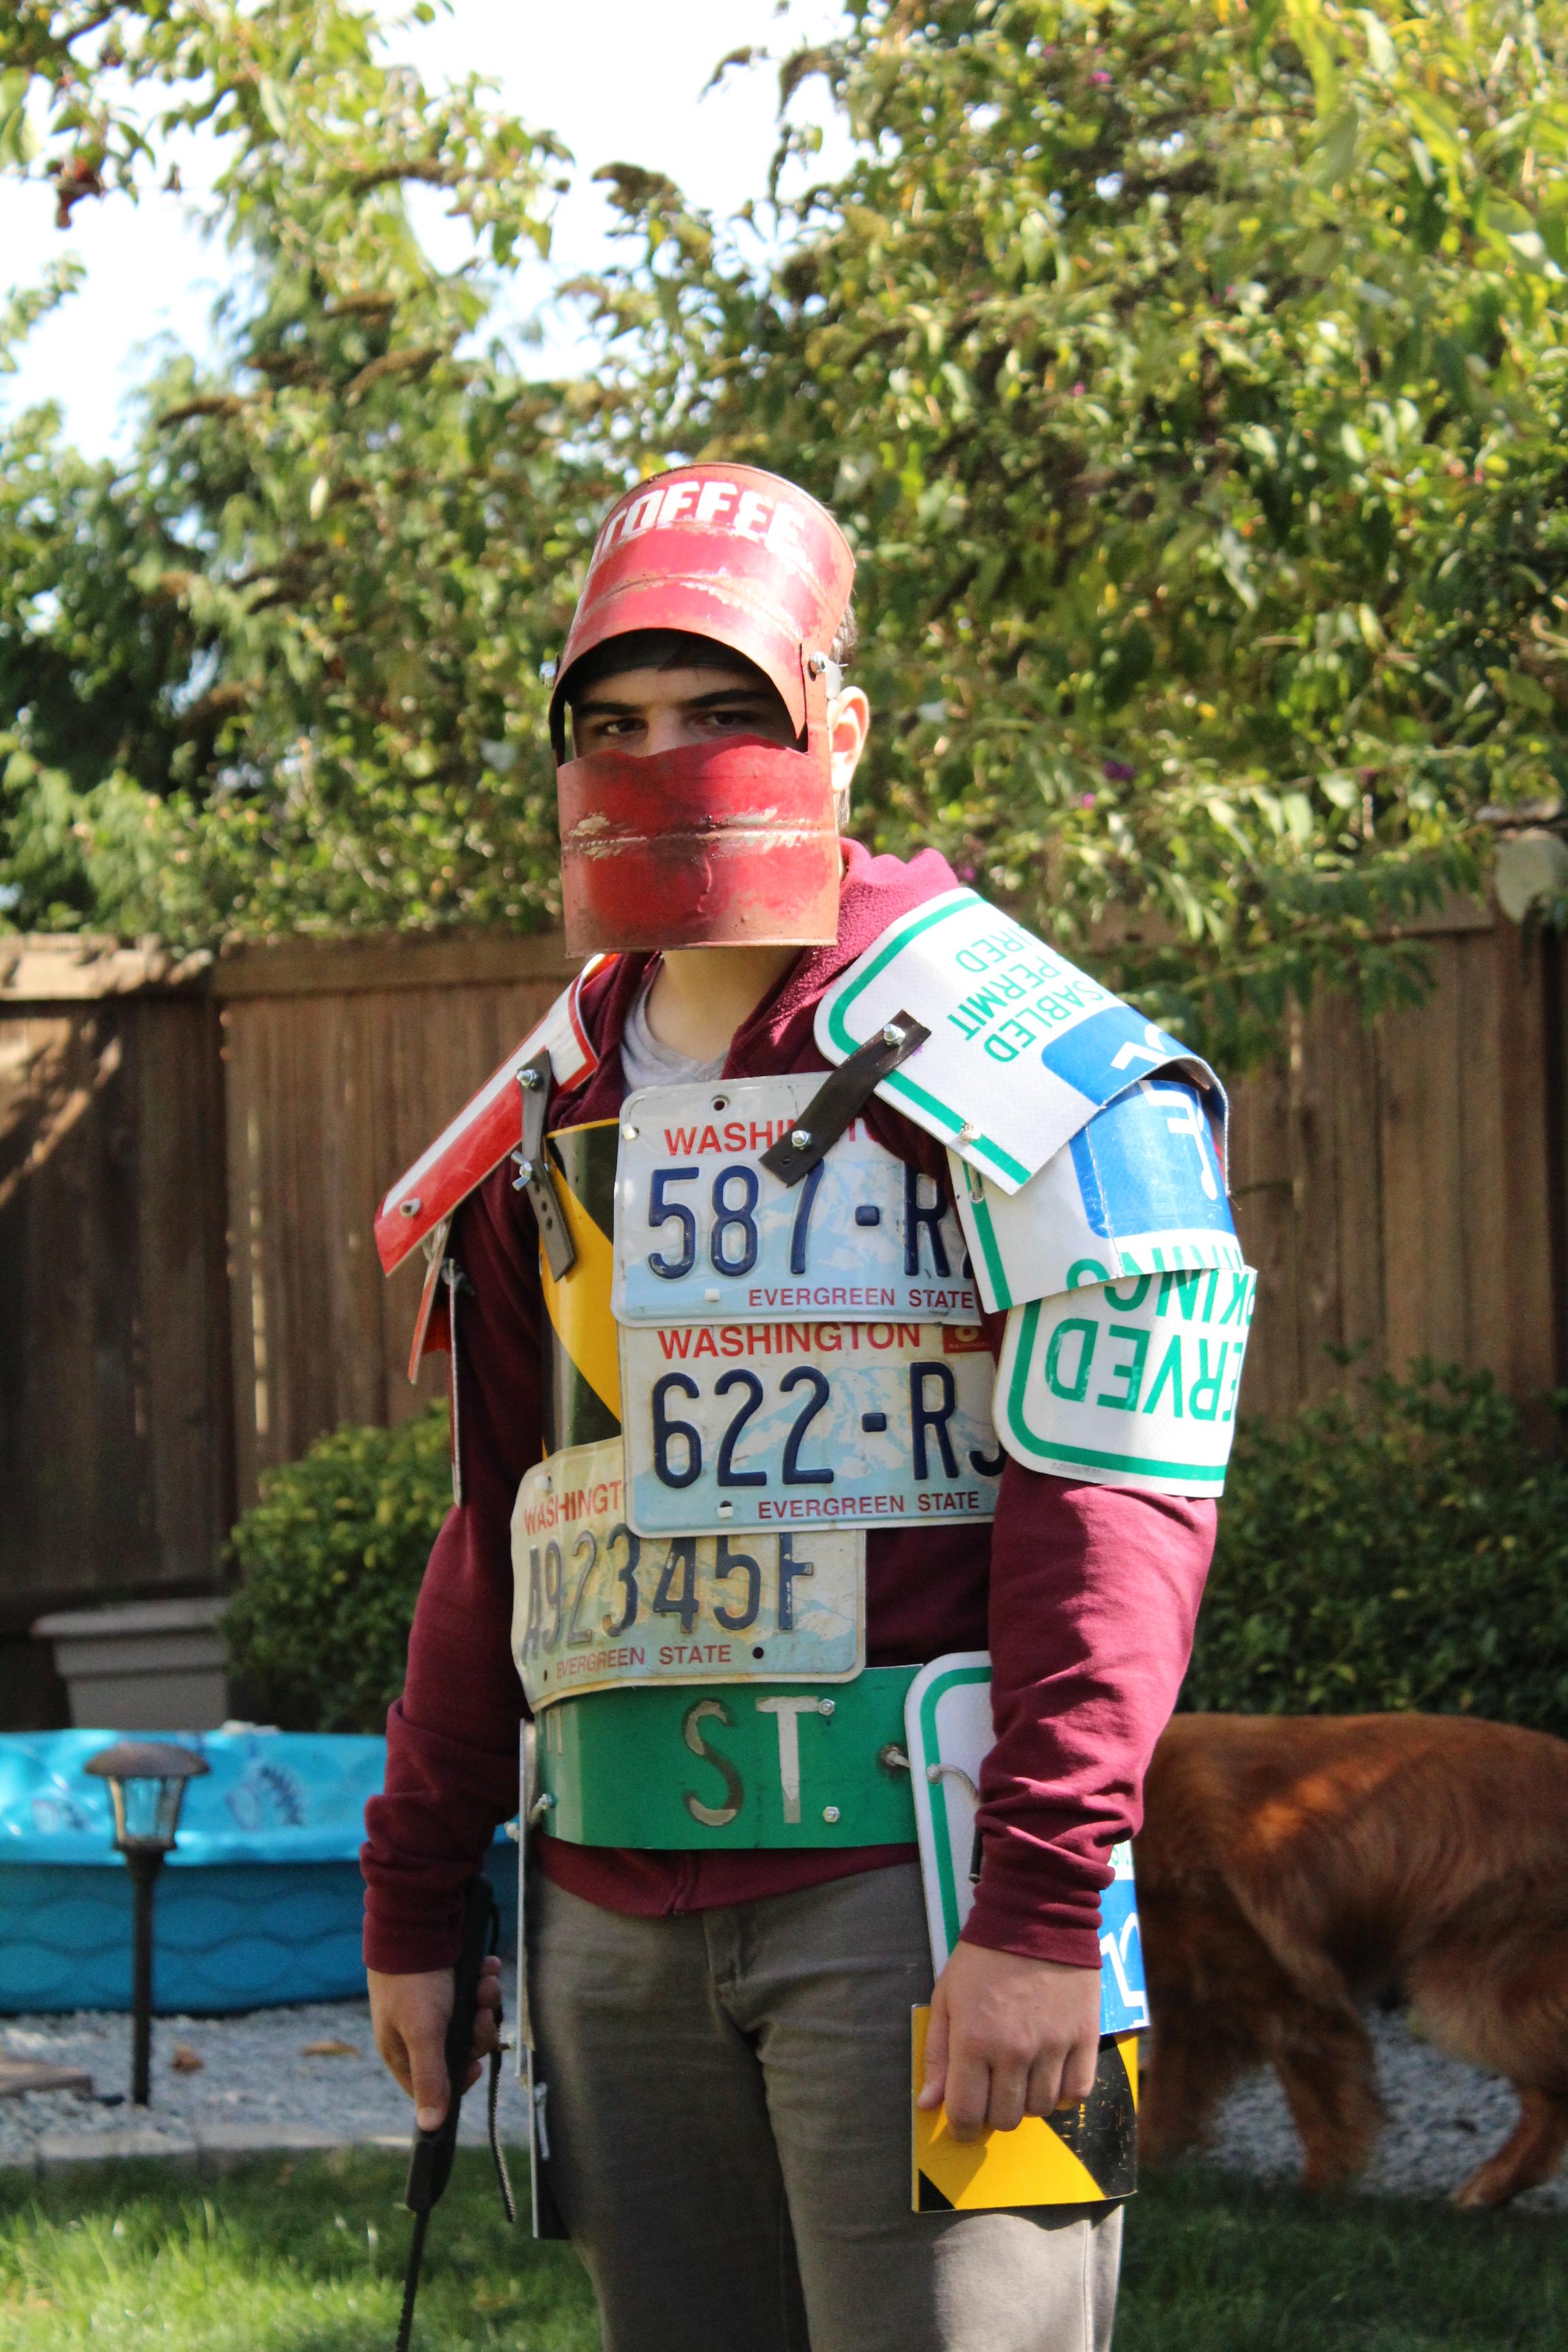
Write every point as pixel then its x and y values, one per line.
pixel 1094 1596
pixel 452 1738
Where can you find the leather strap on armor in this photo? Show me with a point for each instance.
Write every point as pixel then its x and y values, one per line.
pixel 534 1168
pixel 841 1097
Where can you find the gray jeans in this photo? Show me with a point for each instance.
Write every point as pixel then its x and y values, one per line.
pixel 729 2125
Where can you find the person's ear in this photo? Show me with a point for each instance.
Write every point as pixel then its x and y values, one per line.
pixel 848 723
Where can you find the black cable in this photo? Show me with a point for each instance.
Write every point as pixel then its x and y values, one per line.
pixel 430 2162
pixel 494 2121
pixel 411 2281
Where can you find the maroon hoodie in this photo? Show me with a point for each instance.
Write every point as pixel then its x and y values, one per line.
pixel 1085 1596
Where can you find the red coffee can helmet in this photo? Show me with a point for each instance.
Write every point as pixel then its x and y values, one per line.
pixel 718 844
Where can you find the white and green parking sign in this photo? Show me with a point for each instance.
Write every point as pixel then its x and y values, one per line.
pixel 1128 1383
pixel 1024 1046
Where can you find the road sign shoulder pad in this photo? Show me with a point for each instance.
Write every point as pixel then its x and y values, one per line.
pixel 484 1130
pixel 1024 1047
pixel 1132 1383
pixel 1140 1189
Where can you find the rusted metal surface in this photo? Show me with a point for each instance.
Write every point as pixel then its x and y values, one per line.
pixel 484 1131
pixel 717 844
pixel 722 552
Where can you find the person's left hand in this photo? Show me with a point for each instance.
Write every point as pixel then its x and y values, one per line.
pixel 1009 2037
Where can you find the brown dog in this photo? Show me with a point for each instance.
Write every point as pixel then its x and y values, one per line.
pixel 1291 1867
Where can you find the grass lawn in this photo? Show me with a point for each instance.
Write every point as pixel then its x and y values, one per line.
pixel 1214 2266
pixel 307 2257
pixel 303 2256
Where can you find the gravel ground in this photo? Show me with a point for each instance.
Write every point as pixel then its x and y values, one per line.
pixel 1444 2120
pixel 1444 2117
pixel 254 2072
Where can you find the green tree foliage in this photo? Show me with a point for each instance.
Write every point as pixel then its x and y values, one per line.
pixel 1406 1547
pixel 283 670
pixel 1190 374
pixel 1193 378
pixel 330 1558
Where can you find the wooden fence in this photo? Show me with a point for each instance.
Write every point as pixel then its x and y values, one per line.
pixel 115 1424
pixel 340 1065
pixel 1399 1186
pixel 190 1156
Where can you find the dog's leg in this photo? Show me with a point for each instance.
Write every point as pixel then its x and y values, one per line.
pixel 1502 2006
pixel 1198 2051
pixel 1325 2065
pixel 1529 2155
pixel 1211 1982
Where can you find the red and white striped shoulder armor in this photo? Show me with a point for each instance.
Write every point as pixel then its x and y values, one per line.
pixel 422 1203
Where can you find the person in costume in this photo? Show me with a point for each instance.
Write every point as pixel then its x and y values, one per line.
pixel 727 1254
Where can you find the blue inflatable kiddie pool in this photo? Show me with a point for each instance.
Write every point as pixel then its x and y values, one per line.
pixel 260 1904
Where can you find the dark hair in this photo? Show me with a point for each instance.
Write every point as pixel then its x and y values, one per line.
pixel 681 649
pixel 846 638
pixel 652 649
pixel 673 649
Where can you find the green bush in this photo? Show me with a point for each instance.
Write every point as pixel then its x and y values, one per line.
pixel 332 1557
pixel 1402 1546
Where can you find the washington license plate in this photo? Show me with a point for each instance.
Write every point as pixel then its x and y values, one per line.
pixel 594 1604
pixel 704 1231
pixel 779 1425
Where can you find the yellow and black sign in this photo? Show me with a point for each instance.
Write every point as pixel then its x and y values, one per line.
pixel 1083 2156
pixel 582 1371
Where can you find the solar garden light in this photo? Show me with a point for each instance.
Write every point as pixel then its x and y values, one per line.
pixel 146 1787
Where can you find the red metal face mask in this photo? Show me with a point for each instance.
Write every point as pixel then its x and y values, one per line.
pixel 716 845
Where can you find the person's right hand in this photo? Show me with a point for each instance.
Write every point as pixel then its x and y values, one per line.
pixel 409 2017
